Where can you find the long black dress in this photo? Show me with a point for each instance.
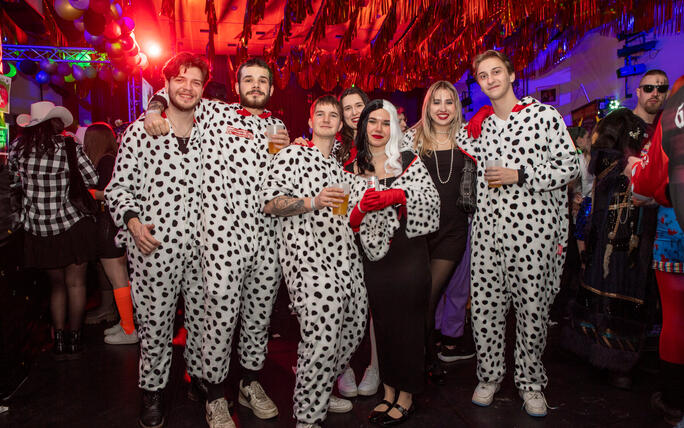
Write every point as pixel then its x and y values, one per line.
pixel 398 287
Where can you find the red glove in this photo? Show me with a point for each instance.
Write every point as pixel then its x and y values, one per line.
pixel 355 218
pixel 92 193
pixel 369 199
pixel 388 197
pixel 474 126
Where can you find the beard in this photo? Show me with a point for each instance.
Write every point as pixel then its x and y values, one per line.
pixel 259 104
pixel 180 107
pixel 653 108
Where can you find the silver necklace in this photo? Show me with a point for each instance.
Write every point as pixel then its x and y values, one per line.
pixel 451 166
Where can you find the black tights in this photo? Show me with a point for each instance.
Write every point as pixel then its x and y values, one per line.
pixel 68 290
pixel 441 271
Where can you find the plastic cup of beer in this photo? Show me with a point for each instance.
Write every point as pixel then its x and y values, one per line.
pixel 272 130
pixel 490 163
pixel 342 208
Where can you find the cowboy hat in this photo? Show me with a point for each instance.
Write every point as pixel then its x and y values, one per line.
pixel 42 111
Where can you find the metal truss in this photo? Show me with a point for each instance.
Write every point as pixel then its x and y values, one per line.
pixel 54 54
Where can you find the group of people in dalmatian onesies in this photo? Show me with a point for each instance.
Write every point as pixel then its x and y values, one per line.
pixel 224 206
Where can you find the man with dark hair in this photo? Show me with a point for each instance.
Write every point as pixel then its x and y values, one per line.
pixel 240 269
pixel 525 159
pixel 321 263
pixel 153 197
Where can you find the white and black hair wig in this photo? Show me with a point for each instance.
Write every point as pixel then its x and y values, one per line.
pixel 392 148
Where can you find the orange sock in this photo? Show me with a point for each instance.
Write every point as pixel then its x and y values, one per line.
pixel 125 305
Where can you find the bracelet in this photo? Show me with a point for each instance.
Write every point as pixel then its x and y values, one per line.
pixel 313 204
pixel 358 207
pixel 154 110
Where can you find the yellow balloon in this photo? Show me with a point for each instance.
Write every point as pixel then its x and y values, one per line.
pixel 66 11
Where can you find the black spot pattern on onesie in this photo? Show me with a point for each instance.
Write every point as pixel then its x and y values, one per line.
pixel 240 267
pixel 154 179
pixel 518 238
pixel 324 277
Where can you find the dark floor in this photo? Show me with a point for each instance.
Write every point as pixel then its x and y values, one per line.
pixel 100 389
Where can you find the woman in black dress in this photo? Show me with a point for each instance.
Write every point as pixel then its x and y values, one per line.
pixel 392 225
pixel 435 138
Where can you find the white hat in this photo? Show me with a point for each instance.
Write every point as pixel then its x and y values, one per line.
pixel 42 111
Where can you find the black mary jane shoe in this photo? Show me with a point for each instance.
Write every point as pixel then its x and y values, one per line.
pixel 386 420
pixel 377 414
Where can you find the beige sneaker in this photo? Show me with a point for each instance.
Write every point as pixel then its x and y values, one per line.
pixel 121 338
pixel 113 329
pixel 253 397
pixel 370 382
pixel 346 383
pixel 534 403
pixel 484 393
pixel 339 405
pixel 218 415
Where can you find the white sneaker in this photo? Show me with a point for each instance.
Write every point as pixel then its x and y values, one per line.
pixel 121 338
pixel 113 329
pixel 253 397
pixel 305 425
pixel 339 405
pixel 484 393
pixel 218 415
pixel 534 403
pixel 370 382
pixel 346 384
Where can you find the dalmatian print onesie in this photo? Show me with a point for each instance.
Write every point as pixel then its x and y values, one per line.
pixel 240 264
pixel 519 235
pixel 323 273
pixel 155 179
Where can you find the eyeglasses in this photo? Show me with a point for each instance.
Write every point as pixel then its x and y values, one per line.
pixel 649 88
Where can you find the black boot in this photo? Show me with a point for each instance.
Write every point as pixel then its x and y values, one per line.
pixel 152 410
pixel 59 349
pixel 75 346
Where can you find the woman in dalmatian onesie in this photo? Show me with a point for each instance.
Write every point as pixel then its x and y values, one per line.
pixel 320 261
pixel 240 267
pixel 154 189
pixel 393 225
pixel 520 229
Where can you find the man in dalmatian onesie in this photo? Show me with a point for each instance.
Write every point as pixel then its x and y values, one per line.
pixel 153 196
pixel 519 231
pixel 320 260
pixel 240 267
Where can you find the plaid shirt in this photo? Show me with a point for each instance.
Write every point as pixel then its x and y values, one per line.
pixel 46 209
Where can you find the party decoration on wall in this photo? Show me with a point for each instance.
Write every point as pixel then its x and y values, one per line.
pixel 5 90
pixel 67 11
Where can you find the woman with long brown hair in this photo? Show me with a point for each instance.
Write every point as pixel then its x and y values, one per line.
pixel 101 147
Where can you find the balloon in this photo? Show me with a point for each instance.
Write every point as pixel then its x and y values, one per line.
pixel 114 48
pixel 69 78
pixel 48 66
pixel 127 42
pixel 134 50
pixel 112 31
pixel 93 40
pixel 94 23
pixel 90 72
pixel 42 77
pixel 80 4
pixel 56 79
pixel 127 24
pixel 79 24
pixel 144 61
pixel 133 60
pixel 119 75
pixel 115 10
pixel 28 67
pixel 99 6
pixel 63 69
pixel 104 74
pixel 9 69
pixel 66 11
pixel 78 72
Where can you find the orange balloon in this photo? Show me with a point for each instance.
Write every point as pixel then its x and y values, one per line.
pixel 66 11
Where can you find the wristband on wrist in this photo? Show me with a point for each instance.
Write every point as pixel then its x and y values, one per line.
pixel 358 207
pixel 313 204
pixel 154 110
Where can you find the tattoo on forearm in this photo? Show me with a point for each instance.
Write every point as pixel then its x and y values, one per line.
pixel 155 105
pixel 285 206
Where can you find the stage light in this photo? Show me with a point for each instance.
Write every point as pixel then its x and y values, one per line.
pixel 153 50
pixel 631 70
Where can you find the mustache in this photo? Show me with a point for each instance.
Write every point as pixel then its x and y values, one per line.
pixel 255 92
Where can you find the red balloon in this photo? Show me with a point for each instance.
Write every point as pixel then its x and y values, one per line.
pixel 56 79
pixel 127 42
pixel 94 23
pixel 79 24
pixel 144 61
pixel 112 31
pixel 119 75
pixel 105 74
pixel 99 6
